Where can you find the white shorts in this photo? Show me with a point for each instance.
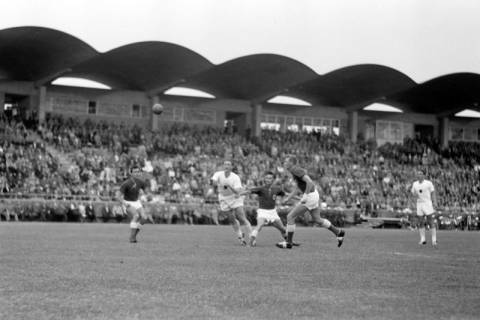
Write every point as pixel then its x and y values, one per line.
pixel 311 200
pixel 424 209
pixel 269 215
pixel 230 203
pixel 132 204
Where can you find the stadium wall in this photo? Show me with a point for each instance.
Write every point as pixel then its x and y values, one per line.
pixel 118 106
pixel 98 104
pixel 415 118
pixel 464 129
pixel 460 129
pixel 201 111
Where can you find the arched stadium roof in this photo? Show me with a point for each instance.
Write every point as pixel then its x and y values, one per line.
pixel 41 55
pixel 353 87
pixel 444 95
pixel 35 53
pixel 142 66
pixel 254 77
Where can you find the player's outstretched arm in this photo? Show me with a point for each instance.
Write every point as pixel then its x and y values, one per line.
pixel 244 192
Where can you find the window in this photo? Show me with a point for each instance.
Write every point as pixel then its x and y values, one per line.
pixel 136 111
pixel 270 126
pixel 336 127
pixel 293 127
pixel 309 129
pixel 456 133
pixel 92 107
pixel 307 121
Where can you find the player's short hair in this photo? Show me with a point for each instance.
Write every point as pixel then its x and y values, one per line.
pixel 423 171
pixel 270 173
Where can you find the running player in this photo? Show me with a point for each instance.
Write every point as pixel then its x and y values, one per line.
pixel 424 192
pixel 130 190
pixel 267 212
pixel 229 188
pixel 309 202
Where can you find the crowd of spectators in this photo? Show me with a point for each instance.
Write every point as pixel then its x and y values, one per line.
pixel 182 158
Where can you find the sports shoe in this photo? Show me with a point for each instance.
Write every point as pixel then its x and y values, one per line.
pixel 284 245
pixel 422 242
pixel 340 238
pixel 295 244
pixel 253 241
pixel 435 245
pixel 242 241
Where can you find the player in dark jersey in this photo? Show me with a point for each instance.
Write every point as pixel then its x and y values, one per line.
pixel 131 190
pixel 308 202
pixel 267 212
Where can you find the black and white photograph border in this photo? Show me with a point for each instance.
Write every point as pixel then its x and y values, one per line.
pixel 239 159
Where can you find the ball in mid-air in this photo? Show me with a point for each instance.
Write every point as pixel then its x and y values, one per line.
pixel 157 108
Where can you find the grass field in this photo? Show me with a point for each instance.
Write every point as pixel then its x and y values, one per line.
pixel 90 271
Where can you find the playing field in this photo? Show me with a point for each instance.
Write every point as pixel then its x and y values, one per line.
pixel 90 271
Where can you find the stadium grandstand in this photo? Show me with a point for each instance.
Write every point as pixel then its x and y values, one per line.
pixel 65 149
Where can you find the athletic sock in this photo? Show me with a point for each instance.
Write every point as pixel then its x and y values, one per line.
pixel 290 232
pixel 254 233
pixel 422 234
pixel 434 235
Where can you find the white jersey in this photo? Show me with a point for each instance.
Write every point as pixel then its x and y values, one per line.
pixel 223 183
pixel 423 190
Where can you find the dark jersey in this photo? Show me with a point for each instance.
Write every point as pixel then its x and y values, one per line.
pixel 267 196
pixel 131 188
pixel 298 174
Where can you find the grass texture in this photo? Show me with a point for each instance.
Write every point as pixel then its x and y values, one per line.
pixel 90 271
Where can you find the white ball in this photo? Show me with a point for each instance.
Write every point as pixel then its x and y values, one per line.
pixel 157 108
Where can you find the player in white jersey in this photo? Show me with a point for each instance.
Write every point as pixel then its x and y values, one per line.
pixel 424 193
pixel 229 187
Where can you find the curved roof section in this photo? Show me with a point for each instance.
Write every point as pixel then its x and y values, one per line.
pixel 41 54
pixel 254 77
pixel 34 53
pixel 142 66
pixel 444 95
pixel 352 87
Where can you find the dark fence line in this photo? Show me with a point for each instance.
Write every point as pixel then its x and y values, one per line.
pixel 91 209
pixel 37 209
